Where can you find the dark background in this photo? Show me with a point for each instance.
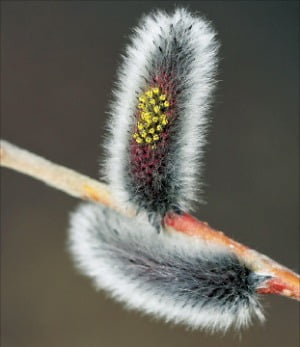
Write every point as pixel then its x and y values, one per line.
pixel 58 65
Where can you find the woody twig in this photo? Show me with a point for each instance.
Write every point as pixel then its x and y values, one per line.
pixel 283 281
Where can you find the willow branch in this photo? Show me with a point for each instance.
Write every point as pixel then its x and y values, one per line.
pixel 54 175
pixel 283 281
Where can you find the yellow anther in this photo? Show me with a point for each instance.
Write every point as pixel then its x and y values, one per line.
pixel 148 119
pixel 163 119
pixel 143 133
pixel 140 126
pixel 145 115
pixel 152 120
pixel 149 93
pixel 164 122
pixel 156 108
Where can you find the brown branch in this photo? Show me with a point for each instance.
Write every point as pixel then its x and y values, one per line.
pixel 284 281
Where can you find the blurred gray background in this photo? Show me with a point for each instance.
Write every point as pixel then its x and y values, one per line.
pixel 58 65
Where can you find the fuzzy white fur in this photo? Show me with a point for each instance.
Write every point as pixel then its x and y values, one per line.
pixel 197 80
pixel 102 243
pixel 171 276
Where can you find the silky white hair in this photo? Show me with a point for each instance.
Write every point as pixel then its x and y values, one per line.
pixel 186 45
pixel 178 278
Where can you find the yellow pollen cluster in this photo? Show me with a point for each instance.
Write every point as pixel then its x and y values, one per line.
pixel 153 105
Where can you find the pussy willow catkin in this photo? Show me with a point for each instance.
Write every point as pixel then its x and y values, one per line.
pixel 157 125
pixel 158 117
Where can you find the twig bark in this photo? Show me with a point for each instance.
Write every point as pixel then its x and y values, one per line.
pixel 54 175
pixel 284 281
